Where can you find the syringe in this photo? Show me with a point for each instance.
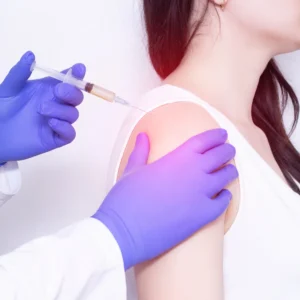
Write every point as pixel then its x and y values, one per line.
pixel 83 85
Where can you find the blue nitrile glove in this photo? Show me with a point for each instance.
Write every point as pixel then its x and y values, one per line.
pixel 154 207
pixel 36 116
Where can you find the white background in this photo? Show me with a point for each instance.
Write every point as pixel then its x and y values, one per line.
pixel 68 184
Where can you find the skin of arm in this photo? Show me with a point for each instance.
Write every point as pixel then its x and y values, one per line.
pixel 194 269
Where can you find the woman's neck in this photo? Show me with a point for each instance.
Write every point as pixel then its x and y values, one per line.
pixel 223 69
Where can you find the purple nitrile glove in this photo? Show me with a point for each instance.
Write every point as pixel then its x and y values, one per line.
pixel 154 207
pixel 36 116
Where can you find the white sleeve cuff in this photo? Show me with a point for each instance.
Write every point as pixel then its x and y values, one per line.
pixel 92 238
pixel 98 260
pixel 81 261
pixel 10 181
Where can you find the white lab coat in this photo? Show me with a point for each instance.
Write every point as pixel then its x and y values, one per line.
pixel 82 261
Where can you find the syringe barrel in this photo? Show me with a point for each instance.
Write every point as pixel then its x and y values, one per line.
pixel 101 92
pixel 94 89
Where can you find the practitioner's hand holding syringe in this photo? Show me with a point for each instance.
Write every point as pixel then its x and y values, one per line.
pixel 36 116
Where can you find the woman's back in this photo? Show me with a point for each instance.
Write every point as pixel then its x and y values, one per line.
pixel 261 249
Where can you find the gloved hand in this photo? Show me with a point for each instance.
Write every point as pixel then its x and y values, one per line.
pixel 36 115
pixel 154 207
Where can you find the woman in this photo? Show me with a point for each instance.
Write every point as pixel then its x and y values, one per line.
pixel 216 61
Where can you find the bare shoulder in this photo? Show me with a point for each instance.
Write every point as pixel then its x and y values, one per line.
pixel 169 126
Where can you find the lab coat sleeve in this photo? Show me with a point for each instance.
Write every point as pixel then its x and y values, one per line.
pixel 10 181
pixel 82 262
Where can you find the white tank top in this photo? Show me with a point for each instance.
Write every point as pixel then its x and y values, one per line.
pixel 262 248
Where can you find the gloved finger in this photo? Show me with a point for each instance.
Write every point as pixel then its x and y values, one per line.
pixel 221 202
pixel 139 155
pixel 217 157
pixel 79 70
pixel 64 132
pixel 222 178
pixel 206 140
pixel 17 77
pixel 214 208
pixel 69 94
pixel 59 111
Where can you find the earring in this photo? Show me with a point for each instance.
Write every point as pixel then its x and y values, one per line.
pixel 223 5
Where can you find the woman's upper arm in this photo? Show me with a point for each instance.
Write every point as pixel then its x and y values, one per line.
pixel 192 270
